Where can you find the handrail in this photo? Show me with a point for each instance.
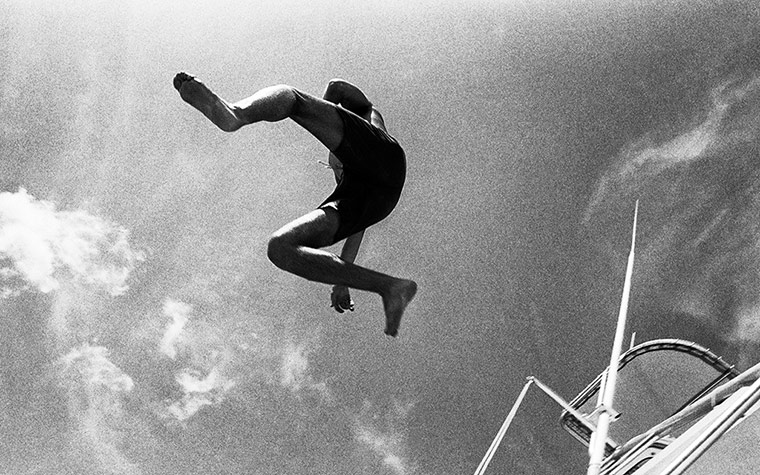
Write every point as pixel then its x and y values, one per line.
pixel 665 344
pixel 695 410
pixel 716 430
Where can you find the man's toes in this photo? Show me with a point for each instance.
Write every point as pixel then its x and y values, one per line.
pixel 180 79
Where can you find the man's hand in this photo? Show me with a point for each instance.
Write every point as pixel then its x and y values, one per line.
pixel 341 299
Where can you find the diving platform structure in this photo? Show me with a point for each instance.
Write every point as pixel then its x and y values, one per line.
pixel 663 407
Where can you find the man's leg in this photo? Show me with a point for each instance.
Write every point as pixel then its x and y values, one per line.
pixel 295 248
pixel 270 104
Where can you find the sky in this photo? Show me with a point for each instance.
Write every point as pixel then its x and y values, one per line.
pixel 145 332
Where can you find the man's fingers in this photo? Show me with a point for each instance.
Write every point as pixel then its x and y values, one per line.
pixel 341 301
pixel 345 305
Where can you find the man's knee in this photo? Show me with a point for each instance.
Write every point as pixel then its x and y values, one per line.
pixel 280 251
pixel 289 101
pixel 271 104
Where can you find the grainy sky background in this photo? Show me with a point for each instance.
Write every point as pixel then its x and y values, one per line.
pixel 144 331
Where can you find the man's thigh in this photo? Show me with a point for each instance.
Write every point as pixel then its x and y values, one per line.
pixel 320 118
pixel 315 229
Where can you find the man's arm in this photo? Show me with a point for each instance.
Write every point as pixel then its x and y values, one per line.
pixel 340 297
pixel 351 247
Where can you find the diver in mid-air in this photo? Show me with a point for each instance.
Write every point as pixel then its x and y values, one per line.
pixel 369 167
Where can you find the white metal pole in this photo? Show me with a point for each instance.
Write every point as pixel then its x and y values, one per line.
pixel 599 438
pixel 503 430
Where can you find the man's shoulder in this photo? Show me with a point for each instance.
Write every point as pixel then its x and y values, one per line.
pixel 377 120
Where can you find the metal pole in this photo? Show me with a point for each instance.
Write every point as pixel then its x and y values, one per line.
pixel 500 435
pixel 598 439
pixel 549 392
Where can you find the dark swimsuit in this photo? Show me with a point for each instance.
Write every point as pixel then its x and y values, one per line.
pixel 374 170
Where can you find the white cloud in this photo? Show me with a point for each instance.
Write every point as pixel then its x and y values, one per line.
pixel 294 372
pixel 204 378
pixel 179 313
pixel 78 255
pixel 199 390
pixel 724 127
pixel 383 445
pixel 90 366
pixel 40 245
pixel 698 251
pixel 382 434
pixel 96 387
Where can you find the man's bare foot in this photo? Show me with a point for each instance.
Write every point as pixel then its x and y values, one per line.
pixel 212 106
pixel 395 303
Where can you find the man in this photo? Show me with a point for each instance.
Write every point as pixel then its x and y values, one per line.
pixel 369 166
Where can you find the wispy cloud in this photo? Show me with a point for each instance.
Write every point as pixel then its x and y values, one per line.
pixel 730 121
pixel 90 366
pixel 83 259
pixel 204 378
pixel 383 435
pixel 96 388
pixel 295 374
pixel 198 390
pixel 384 445
pixel 699 250
pixel 179 313
pixel 40 246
